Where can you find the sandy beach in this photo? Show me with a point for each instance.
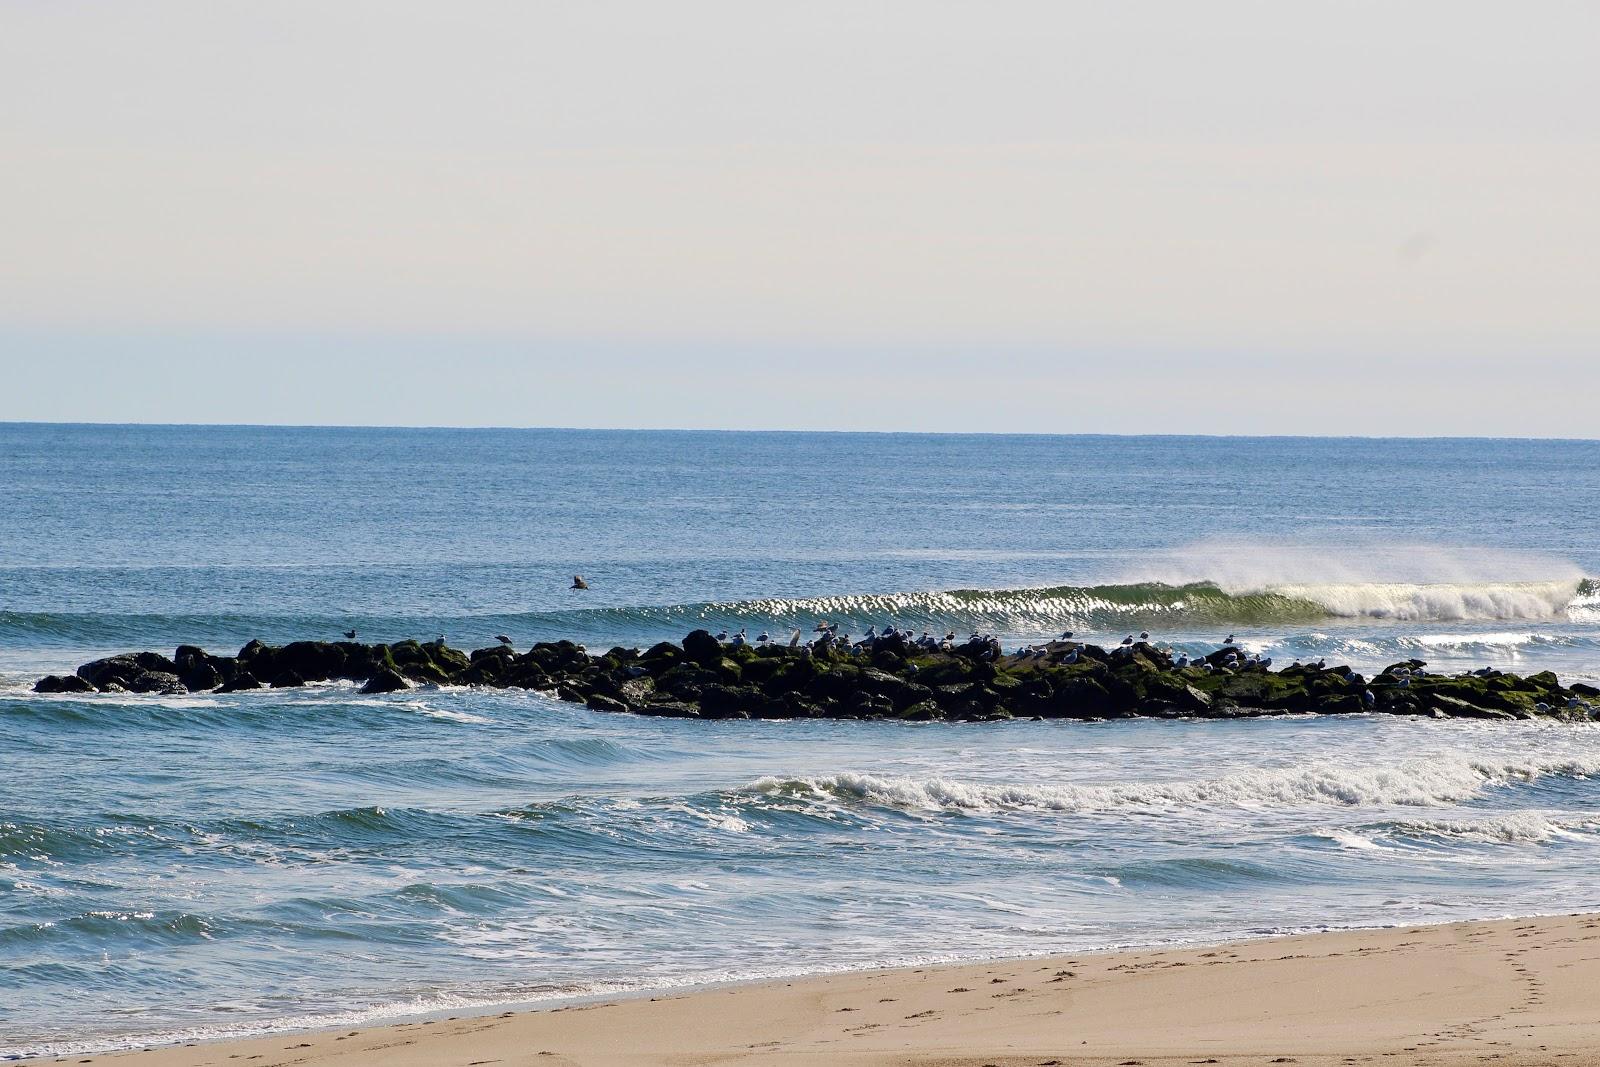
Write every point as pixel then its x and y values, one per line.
pixel 1508 992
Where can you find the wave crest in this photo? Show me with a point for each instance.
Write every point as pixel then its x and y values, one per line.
pixel 1036 610
pixel 1416 783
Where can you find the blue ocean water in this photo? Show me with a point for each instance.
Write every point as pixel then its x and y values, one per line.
pixel 200 865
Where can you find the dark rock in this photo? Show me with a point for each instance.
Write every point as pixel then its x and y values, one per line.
pixel 700 647
pixel 199 670
pixel 122 670
pixel 386 681
pixel 672 709
pixel 241 681
pixel 887 678
pixel 62 683
pixel 163 682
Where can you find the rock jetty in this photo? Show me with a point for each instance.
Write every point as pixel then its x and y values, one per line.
pixel 887 678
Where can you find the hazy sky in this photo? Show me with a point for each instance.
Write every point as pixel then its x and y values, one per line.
pixel 1225 217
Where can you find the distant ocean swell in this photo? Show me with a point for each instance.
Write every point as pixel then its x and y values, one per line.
pixel 1041 610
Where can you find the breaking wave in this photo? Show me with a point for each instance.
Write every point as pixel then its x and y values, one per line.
pixel 1037 610
pixel 1417 783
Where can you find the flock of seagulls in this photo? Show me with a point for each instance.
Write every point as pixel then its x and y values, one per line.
pixel 829 635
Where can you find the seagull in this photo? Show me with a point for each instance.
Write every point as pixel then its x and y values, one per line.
pixel 350 634
pixel 1067 636
pixel 795 640
pixel 1128 640
pixel 1070 657
pixel 1368 698
pixel 822 627
pixel 722 635
pixel 739 638
pixel 1541 707
pixel 1183 661
pixel 503 639
pixel 1144 635
pixel 1228 640
pixel 763 638
pixel 578 582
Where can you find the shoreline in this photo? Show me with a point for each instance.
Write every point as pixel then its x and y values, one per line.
pixel 1515 990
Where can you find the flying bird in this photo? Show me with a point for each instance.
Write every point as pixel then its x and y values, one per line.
pixel 578 582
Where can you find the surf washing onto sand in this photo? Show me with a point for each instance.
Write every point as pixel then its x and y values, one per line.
pixel 318 856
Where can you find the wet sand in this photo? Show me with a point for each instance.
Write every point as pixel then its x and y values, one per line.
pixel 1510 993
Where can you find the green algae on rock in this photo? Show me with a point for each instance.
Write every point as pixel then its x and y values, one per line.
pixel 884 678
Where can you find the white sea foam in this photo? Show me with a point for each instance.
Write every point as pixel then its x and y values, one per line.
pixel 1448 602
pixel 1414 783
pixel 1522 827
pixel 1507 828
pixel 1387 580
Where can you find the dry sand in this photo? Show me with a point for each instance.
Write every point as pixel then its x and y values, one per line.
pixel 1509 993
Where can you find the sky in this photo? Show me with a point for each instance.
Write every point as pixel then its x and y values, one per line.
pixel 1062 217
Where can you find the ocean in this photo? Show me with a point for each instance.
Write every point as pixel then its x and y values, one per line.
pixel 173 868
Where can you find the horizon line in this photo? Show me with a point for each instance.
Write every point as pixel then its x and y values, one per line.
pixel 424 427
